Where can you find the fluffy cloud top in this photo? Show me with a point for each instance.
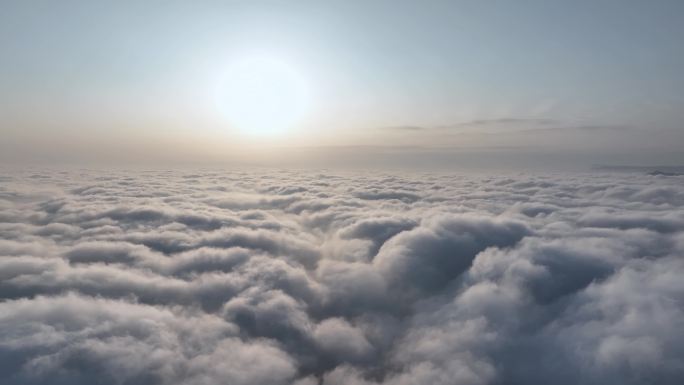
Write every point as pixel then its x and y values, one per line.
pixel 277 277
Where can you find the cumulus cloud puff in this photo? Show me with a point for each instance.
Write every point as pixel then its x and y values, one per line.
pixel 281 277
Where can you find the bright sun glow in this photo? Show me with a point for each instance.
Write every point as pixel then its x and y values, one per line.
pixel 263 96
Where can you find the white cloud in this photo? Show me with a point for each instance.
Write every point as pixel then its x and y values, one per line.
pixel 279 277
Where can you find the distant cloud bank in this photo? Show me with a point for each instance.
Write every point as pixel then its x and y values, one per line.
pixel 282 277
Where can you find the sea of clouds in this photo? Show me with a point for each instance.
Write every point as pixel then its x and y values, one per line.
pixel 293 277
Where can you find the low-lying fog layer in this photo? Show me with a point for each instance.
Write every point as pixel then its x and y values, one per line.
pixel 281 277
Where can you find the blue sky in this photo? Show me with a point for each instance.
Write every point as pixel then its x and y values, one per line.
pixel 78 75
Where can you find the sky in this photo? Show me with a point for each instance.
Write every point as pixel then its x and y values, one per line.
pixel 341 192
pixel 430 83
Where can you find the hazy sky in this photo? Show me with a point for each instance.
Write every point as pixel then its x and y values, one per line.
pixel 406 81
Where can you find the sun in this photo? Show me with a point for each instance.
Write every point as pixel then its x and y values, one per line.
pixel 263 96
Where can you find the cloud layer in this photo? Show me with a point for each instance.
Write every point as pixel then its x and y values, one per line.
pixel 282 277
